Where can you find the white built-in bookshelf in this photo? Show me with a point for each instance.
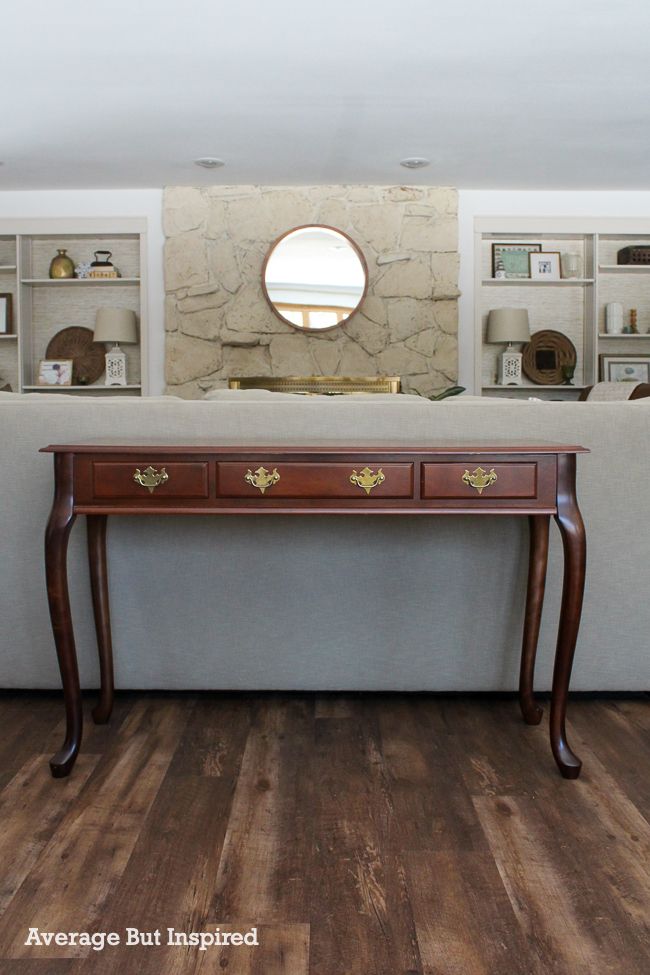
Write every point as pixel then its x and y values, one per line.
pixel 574 306
pixel 42 306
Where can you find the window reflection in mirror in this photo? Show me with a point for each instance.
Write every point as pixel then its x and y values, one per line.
pixel 315 277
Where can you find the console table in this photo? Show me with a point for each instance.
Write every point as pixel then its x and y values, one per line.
pixel 102 479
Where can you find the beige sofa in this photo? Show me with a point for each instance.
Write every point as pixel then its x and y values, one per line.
pixel 326 603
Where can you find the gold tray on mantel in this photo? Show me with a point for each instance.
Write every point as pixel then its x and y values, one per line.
pixel 311 385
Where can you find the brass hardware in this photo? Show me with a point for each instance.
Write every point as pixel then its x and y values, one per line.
pixel 261 479
pixel 150 477
pixel 367 479
pixel 480 479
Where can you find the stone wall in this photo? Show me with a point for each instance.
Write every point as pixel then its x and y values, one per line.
pixel 219 324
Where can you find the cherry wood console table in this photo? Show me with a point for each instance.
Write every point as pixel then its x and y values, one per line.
pixel 102 479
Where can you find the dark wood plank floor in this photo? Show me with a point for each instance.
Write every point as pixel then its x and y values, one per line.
pixel 361 834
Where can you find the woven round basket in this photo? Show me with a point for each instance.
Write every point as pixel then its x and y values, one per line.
pixel 544 356
pixel 76 343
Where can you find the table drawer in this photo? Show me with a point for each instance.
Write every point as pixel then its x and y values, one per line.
pixel 487 481
pixel 143 479
pixel 313 480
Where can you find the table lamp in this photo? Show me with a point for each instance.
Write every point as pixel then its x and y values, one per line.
pixel 115 325
pixel 509 325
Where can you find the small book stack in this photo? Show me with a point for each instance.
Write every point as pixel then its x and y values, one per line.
pixel 103 272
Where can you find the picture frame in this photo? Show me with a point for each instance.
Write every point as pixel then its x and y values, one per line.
pixel 6 313
pixel 514 257
pixel 544 266
pixel 625 368
pixel 55 372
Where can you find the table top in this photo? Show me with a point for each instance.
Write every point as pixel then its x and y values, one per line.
pixel 201 447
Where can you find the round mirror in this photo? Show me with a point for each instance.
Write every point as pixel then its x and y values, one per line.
pixel 314 277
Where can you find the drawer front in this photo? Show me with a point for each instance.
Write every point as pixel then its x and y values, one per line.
pixel 484 481
pixel 144 480
pixel 294 480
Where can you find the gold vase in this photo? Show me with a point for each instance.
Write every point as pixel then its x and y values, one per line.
pixel 62 266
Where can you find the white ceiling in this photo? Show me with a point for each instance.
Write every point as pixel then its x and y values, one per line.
pixel 501 94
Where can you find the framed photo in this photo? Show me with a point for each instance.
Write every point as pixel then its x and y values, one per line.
pixel 514 258
pixel 55 372
pixel 6 313
pixel 625 368
pixel 544 266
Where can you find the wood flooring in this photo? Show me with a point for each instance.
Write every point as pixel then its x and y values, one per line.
pixel 360 835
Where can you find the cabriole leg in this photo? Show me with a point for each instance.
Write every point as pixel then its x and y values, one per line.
pixel 538 559
pixel 56 550
pixel 572 530
pixel 96 532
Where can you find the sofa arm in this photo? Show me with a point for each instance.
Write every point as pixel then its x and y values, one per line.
pixel 640 391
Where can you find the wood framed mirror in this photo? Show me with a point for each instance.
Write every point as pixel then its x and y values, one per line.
pixel 314 277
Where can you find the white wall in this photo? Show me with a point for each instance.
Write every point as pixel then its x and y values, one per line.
pixel 110 203
pixel 531 203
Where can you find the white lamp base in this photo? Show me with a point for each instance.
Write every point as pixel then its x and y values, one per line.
pixel 510 373
pixel 115 367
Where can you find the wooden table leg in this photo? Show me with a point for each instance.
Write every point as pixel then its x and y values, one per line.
pixel 56 549
pixel 572 530
pixel 537 562
pixel 96 533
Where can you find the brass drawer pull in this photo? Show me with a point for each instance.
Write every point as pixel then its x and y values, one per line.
pixel 262 479
pixel 367 479
pixel 150 478
pixel 480 479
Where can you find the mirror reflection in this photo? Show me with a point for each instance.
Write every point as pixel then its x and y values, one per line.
pixel 315 277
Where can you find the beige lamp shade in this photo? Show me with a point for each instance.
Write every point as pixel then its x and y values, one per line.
pixel 115 325
pixel 508 325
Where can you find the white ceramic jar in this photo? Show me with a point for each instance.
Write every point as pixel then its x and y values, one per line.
pixel 614 318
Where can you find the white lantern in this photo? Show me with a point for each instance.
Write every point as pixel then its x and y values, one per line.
pixel 115 325
pixel 509 325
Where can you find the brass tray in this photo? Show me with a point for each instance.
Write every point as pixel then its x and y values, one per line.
pixel 76 343
pixel 329 385
pixel 544 356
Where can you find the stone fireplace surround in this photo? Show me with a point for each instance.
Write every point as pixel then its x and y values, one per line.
pixel 219 324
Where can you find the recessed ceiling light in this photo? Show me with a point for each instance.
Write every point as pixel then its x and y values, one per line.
pixel 209 162
pixel 414 162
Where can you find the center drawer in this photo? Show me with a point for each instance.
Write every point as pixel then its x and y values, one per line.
pixel 262 477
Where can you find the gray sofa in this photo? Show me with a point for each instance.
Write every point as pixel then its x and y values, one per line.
pixel 328 603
